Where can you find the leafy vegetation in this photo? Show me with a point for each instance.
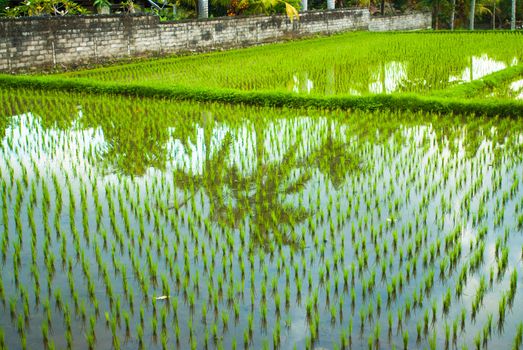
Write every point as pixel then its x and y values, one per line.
pixel 42 8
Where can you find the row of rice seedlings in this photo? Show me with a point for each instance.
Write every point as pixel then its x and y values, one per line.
pixel 192 254
pixel 356 63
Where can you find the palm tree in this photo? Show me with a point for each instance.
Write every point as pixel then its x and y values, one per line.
pixel 472 12
pixel 494 9
pixel 435 6
pixel 484 8
pixel 269 7
pixel 452 14
pixel 513 16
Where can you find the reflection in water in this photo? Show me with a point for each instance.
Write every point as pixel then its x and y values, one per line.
pixel 517 88
pixel 511 90
pixel 389 78
pixel 395 76
pixel 302 83
pixel 269 224
pixel 481 66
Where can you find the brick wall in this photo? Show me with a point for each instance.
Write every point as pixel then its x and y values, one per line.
pixel 33 43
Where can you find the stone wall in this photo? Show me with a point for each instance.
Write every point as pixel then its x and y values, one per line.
pixel 46 42
pixel 411 21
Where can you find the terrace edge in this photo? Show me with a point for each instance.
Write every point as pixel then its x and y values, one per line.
pixel 402 102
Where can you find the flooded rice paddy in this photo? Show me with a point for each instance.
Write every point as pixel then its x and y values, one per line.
pixel 135 223
pixel 348 64
pixel 512 89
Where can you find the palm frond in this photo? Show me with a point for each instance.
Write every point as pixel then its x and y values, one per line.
pixel 291 11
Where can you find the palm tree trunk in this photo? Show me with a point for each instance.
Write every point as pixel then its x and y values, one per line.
pixel 513 16
pixel 203 9
pixel 438 9
pixel 472 12
pixel 453 15
pixel 494 17
pixel 435 14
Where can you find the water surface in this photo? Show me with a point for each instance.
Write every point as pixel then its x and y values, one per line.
pixel 260 226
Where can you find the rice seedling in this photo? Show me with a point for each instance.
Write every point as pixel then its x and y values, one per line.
pixel 518 339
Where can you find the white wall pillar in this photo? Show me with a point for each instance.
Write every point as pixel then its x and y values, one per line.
pixel 203 9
